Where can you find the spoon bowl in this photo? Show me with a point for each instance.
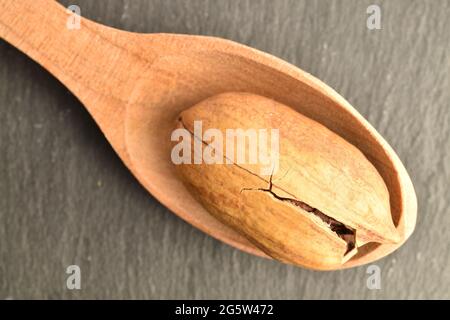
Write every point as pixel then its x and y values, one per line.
pixel 161 94
pixel 136 85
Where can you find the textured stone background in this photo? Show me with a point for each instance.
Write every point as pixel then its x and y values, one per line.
pixel 66 198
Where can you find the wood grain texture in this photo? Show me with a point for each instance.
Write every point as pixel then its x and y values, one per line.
pixel 52 152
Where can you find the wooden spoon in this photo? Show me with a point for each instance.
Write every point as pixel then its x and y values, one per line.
pixel 135 85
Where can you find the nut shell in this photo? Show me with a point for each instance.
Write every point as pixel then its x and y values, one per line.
pixel 316 167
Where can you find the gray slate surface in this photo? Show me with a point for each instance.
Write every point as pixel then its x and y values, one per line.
pixel 66 198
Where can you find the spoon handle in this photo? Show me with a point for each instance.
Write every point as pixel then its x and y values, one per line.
pixel 98 64
pixel 43 30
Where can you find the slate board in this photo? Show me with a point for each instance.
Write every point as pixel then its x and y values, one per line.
pixel 66 198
